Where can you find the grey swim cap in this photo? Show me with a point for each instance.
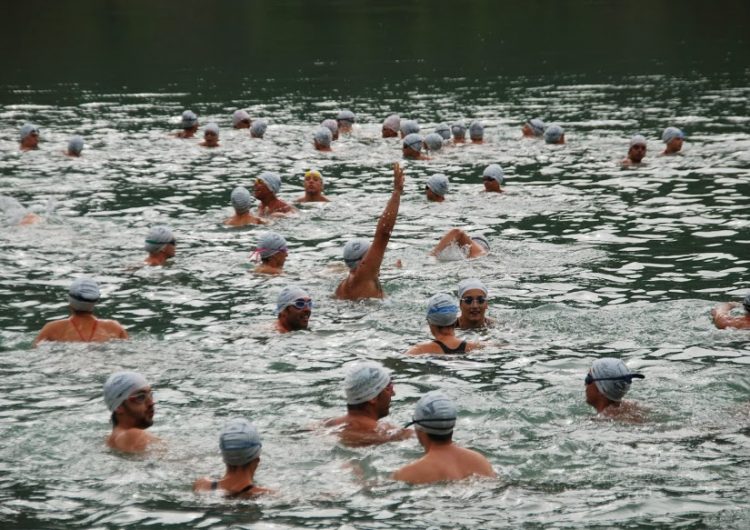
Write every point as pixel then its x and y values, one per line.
pixel 354 251
pixel 670 133
pixel 746 303
pixel 323 136
pixel 157 237
pixel 444 131
pixel 239 442
pixel 476 130
pixel 346 115
pixel 458 129
pixel 83 294
pixel 392 122
pixel 434 141
pixel 435 413
pixel 211 127
pixel 240 116
pixel 480 239
pixel 26 130
pixel 120 385
pixel 470 284
pixel 438 184
pixel 495 172
pixel 75 144
pixel 442 310
pixel 364 381
pixel 272 180
pixel 613 389
pixel 241 199
pixel 331 125
pixel 288 295
pixel 637 140
pixel 270 243
pixel 409 127
pixel 189 119
pixel 258 128
pixel 537 126
pixel 553 134
pixel 414 141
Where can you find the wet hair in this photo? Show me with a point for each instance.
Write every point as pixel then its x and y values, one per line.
pixel 113 419
pixel 238 468
pixel 358 406
pixel 440 437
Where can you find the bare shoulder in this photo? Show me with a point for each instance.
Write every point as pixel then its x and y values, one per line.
pixel 131 440
pixel 114 327
pixel 409 473
pixel 424 348
pixel 481 465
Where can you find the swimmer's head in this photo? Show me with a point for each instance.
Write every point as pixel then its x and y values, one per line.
pixel 638 139
pixel 746 303
pixel 442 310
pixel 333 126
pixel 494 172
pixel 438 184
pixel 364 381
pixel 391 126
pixel 270 243
pixel 354 251
pixel 271 180
pixel 408 127
pixel 27 129
pixel 469 284
pixel 158 238
pixel 476 130
pixel 435 413
pixel 535 127
pixel 612 378
pixel 345 119
pixel 258 128
pixel 241 200
pixel 241 119
pixel 211 129
pixel 75 145
pixel 413 142
pixel 670 133
pixel 322 138
pixel 289 296
pixel 239 442
pixel 481 240
pixel 433 141
pixel 444 131
pixel 554 134
pixel 189 120
pixel 119 386
pixel 83 294
pixel 458 130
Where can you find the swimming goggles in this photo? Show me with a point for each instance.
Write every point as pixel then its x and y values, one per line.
pixel 627 378
pixel 303 303
pixel 468 300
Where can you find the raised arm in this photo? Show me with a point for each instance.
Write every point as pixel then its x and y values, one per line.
pixel 454 235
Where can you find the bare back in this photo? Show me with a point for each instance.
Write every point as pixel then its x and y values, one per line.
pixel 76 329
pixel 443 463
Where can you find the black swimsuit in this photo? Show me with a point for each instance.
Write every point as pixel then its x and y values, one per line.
pixel 215 486
pixel 461 348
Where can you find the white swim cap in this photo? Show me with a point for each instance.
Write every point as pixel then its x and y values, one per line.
pixel 270 243
pixel 27 129
pixel 364 381
pixel 241 199
pixel 433 141
pixel 272 181
pixel 288 296
pixel 120 386
pixel 442 310
pixel 83 294
pixel 157 238
pixel 346 115
pixel 476 130
pixel 414 141
pixel 331 125
pixel 239 442
pixel 323 136
pixel 75 144
pixel 258 128
pixel 444 131
pixel 637 140
pixel 189 119
pixel 537 126
pixel 409 127
pixel 458 129
pixel 435 413
pixel 612 377
pixel 553 134
pixel 212 128
pixel 470 284
pixel 240 116
pixel 392 122
pixel 354 251
pixel 438 184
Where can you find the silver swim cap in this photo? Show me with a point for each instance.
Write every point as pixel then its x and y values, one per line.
pixel 323 136
pixel 476 130
pixel 272 181
pixel 239 442
pixel 392 122
pixel 346 115
pixel 494 172
pixel 553 134
pixel 637 140
pixel 435 413
pixel 83 294
pixel 331 125
pixel 270 243
pixel 409 127
pixel 189 119
pixel 414 142
pixel 75 145
pixel 240 116
pixel 354 251
pixel 444 131
pixel 212 128
pixel 470 284
pixel 438 184
pixel 241 199
pixel 481 240
pixel 434 141
pixel 670 133
pixel 27 129
pixel 364 381
pixel 537 126
pixel 120 386
pixel 258 128
pixel 612 377
pixel 288 296
pixel 157 238
pixel 458 129
pixel 442 310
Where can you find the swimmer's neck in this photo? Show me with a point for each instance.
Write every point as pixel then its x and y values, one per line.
pixel 81 315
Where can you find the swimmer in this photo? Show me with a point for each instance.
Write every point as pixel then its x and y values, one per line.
pixel 369 390
pixel 131 401
pixel 210 136
pixel 160 245
pixel 723 319
pixel 444 131
pixel 533 128
pixel 188 124
pixel 673 137
pixel 473 295
pixel 493 177
pixel 476 132
pixel 636 152
pixel 391 126
pixel 82 325
pixel 322 139
pixel 293 308
pixel 471 246
pixel 364 259
pixel 333 126
pixel 345 120
pixel 408 127
pixel 434 420
pixel 554 134
pixel 258 129
pixel 240 446
pixel 606 384
pixel 313 188
pixel 29 137
pixel 241 120
pixel 436 187
pixel 442 315
pixel 412 147
pixel 433 142
pixel 272 251
pixel 458 130
pixel 75 146
pixel 267 186
pixel 15 213
pixel 241 202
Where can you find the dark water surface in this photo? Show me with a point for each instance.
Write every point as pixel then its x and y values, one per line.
pixel 588 259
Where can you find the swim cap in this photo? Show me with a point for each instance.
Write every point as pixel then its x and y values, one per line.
pixel 482 241
pixel 211 127
pixel 83 294
pixel 613 389
pixel 458 129
pixel 637 140
pixel 331 125
pixel 435 413
pixel 354 251
pixel 239 116
pixel 364 381
pixel 537 126
pixel 270 243
pixel 434 141
pixel 495 172
pixel 120 385
pixel 288 295
pixel 323 136
pixel 241 199
pixel 670 133
pixel 346 115
pixel 476 130
pixel 442 310
pixel 444 131
pixel 26 130
pixel 392 122
pixel 553 134
pixel 409 127
pixel 312 173
pixel 258 128
pixel 469 284
pixel 746 303
pixel 189 119
pixel 239 442
pixel 271 180
pixel 75 144
pixel 157 237
pixel 414 141
pixel 438 184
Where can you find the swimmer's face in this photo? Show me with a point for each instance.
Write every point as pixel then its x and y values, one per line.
pixel 344 125
pixel 211 138
pixel 170 249
pixel 298 318
pixel 674 145
pixel 474 305
pixel 243 124
pixel 261 191
pixel 140 407
pixel 383 400
pixel 491 184
pixel 527 131
pixel 410 153
pixel 388 133
pixel 313 184
pixel 637 152
pixel 431 195
pixel 31 141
